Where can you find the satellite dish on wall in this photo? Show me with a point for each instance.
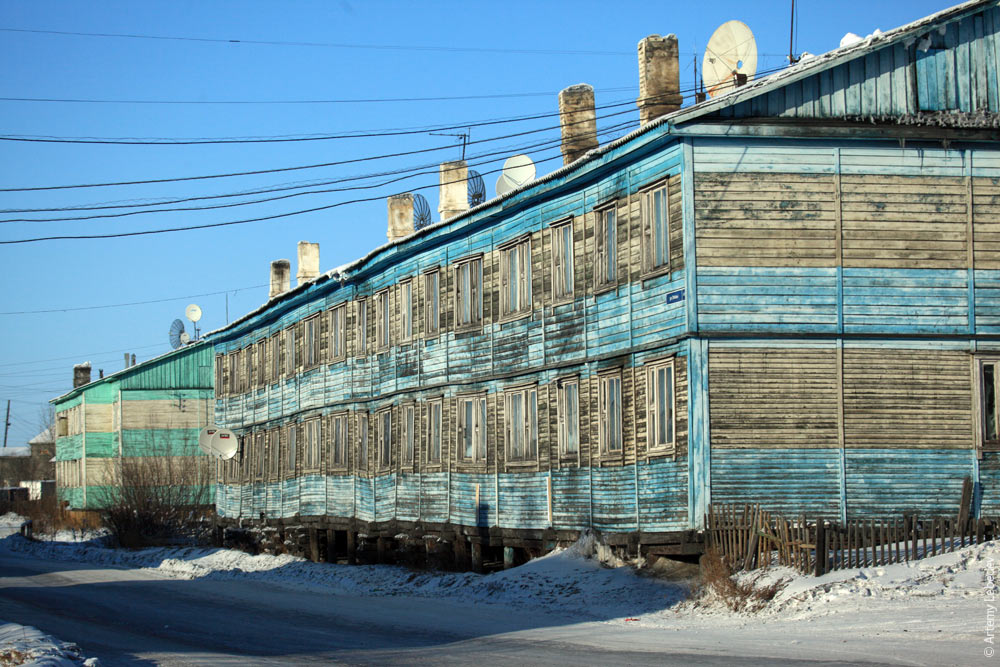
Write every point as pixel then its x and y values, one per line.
pixel 730 58
pixel 218 442
pixel 517 170
pixel 421 212
pixel 177 334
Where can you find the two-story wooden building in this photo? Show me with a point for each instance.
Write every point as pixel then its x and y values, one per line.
pixel 788 294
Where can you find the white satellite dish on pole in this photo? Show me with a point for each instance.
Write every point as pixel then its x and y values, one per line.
pixel 730 58
pixel 193 313
pixel 517 170
pixel 218 442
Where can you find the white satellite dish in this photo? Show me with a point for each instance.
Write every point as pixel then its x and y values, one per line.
pixel 517 170
pixel 185 338
pixel 730 58
pixel 218 442
pixel 193 312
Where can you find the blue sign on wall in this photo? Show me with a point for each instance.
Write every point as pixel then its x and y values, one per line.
pixel 675 296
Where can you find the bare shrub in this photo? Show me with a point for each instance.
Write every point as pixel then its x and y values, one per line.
pixel 156 500
pixel 748 594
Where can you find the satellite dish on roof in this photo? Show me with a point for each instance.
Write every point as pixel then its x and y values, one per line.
pixel 421 212
pixel 517 170
pixel 218 442
pixel 730 58
pixel 193 312
pixel 177 334
pixel 477 189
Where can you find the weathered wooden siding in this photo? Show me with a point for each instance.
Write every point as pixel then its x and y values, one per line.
pixel 888 482
pixel 789 480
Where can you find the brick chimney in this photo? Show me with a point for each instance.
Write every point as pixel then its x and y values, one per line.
pixel 578 121
pixel 308 262
pixel 281 275
pixel 400 216
pixel 81 374
pixel 453 196
pixel 659 77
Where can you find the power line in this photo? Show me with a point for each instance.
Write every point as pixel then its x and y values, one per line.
pixel 133 303
pixel 335 45
pixel 78 356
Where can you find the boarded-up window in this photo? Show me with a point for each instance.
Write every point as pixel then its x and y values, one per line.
pixel 405 311
pixel 660 406
pixel 260 363
pixel 610 413
pixel 311 446
pixel 233 385
pixel 606 248
pixel 562 260
pixel 338 440
pixel 408 436
pixel 275 351
pixel 472 428
pixel 434 432
pixel 311 343
pixel 568 409
pixel 337 328
pixel 432 307
pixel 273 452
pixel 521 424
pixel 383 319
pixel 384 437
pixel 655 228
pixel 515 278
pixel 468 292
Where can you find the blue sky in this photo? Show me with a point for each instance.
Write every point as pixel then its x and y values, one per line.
pixel 507 59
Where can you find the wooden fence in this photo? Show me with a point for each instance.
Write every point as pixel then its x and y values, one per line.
pixel 748 537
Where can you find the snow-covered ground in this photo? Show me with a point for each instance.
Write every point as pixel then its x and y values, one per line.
pixel 25 645
pixel 940 610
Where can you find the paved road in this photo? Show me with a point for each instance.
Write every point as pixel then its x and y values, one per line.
pixel 129 617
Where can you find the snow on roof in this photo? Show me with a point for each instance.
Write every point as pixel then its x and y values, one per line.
pixel 42 438
pixel 15 451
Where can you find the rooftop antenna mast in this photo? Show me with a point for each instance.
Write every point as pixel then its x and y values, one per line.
pixel 463 135
pixel 791 39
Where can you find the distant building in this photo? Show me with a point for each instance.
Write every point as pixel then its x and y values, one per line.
pixel 20 465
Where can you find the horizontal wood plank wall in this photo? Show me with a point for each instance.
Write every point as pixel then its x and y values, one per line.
pixel 907 398
pixel 958 71
pixel 887 482
pixel 765 398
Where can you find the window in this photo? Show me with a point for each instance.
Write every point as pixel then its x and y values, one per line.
pixel 233 387
pixel 62 425
pixel 220 361
pixel 660 405
pixel 468 292
pixel 562 261
pixel 383 319
pixel 568 408
pixel 521 420
pixel 258 455
pixel 311 446
pixel 434 432
pixel 409 418
pixel 338 440
pixel 610 409
pixel 472 428
pixel 363 441
pixel 249 375
pixel 384 435
pixel 337 321
pixel 606 247
pixel 292 437
pixel 655 228
pixel 290 360
pixel 276 349
pixel 432 307
pixel 260 363
pixel 515 278
pixel 362 348
pixel 405 311
pixel 989 377
pixel 273 452
pixel 312 342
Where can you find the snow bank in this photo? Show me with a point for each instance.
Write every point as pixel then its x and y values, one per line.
pixel 23 644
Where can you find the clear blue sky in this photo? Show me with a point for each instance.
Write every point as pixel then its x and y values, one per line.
pixel 522 53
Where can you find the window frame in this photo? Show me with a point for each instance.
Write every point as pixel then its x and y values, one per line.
pixel 361 341
pixel 475 288
pixel 982 441
pixel 431 405
pixel 275 359
pixel 408 425
pixel 291 449
pixel 383 438
pixel 290 362
pixel 432 314
pixel 338 425
pixel 527 426
pixel 312 337
pixel 220 364
pixel 603 256
pixel 521 249
pixel 338 333
pixel 383 320
pixel 478 437
pixel 603 411
pixel 261 362
pixel 312 444
pixel 274 454
pixel 232 387
pixel 259 470
pixel 647 229
pixel 364 439
pixel 562 293
pixel 653 446
pixel 563 421
pixel 406 310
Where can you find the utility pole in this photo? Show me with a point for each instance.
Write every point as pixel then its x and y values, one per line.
pixel 6 424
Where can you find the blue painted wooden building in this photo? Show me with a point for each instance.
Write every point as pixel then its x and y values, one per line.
pixel 788 294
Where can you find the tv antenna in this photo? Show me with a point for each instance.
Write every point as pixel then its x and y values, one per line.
pixel 517 170
pixel 730 58
pixel 421 212
pixel 463 135
pixel 477 189
pixel 193 313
